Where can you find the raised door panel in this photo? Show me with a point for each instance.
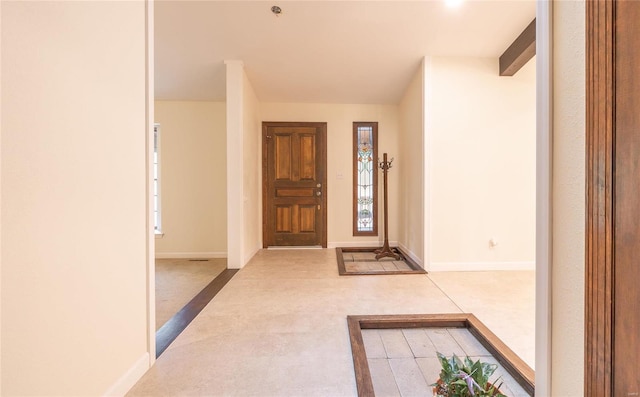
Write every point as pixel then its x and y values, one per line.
pixel 283 157
pixel 284 217
pixel 308 157
pixel 307 218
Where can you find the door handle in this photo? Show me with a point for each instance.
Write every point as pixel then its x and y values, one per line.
pixel 318 193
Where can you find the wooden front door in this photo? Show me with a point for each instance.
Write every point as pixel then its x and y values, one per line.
pixel 294 183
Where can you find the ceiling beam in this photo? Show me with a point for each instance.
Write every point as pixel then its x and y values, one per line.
pixel 519 52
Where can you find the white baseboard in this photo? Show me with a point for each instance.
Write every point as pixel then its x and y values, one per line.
pixel 358 244
pixel 190 255
pixel 251 254
pixel 130 378
pixel 479 266
pixel 411 255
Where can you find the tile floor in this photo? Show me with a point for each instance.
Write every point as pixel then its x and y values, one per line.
pixel 403 362
pixel 366 261
pixel 279 328
pixel 179 280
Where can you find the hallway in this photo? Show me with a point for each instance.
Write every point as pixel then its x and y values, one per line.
pixel 279 326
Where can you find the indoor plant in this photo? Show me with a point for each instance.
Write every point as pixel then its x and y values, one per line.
pixel 465 378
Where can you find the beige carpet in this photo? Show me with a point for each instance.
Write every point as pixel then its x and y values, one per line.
pixel 179 280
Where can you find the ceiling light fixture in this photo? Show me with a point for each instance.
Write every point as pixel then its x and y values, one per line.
pixel 276 10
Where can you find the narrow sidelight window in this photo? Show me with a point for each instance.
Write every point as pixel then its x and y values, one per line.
pixel 365 179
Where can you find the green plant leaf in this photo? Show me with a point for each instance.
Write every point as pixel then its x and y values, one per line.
pixel 452 376
pixel 468 362
pixel 458 363
pixel 489 369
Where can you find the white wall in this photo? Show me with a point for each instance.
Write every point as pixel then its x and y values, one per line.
pixel 1 124
pixel 243 165
pixel 73 163
pixel 193 179
pixel 411 235
pixel 567 272
pixel 235 164
pixel 339 189
pixel 252 184
pixel 482 165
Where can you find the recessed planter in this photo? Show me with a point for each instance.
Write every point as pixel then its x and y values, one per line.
pixel 513 365
pixel 362 262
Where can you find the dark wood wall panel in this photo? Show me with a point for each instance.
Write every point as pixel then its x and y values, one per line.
pixel 599 196
pixel 612 318
pixel 626 341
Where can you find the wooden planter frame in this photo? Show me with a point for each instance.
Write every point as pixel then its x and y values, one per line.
pixel 514 365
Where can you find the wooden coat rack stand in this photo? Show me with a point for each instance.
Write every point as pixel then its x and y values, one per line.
pixel 386 251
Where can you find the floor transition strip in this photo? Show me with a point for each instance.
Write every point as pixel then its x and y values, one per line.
pixel 172 328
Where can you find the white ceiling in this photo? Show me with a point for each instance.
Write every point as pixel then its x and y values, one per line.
pixel 322 51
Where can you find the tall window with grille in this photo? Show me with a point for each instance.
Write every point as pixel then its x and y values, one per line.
pixel 156 179
pixel 365 179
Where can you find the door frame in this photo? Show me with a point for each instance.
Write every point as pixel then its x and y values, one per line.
pixel 544 196
pixel 149 150
pixel 322 128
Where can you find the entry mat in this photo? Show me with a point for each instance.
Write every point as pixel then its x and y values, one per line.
pixel 362 261
pixel 395 355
